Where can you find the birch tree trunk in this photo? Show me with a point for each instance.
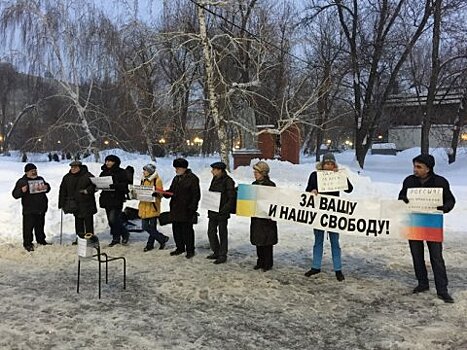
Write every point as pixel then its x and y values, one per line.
pixel 208 59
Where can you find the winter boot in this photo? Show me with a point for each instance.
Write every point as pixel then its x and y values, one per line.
pixel 312 272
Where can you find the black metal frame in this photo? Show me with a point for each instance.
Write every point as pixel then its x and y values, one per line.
pixel 105 261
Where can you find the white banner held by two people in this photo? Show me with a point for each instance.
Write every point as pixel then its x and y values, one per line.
pixel 383 218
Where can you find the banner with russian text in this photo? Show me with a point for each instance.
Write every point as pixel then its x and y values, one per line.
pixel 377 218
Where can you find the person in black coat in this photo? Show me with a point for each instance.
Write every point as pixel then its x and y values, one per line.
pixel 424 176
pixel 328 163
pixel 76 196
pixel 223 183
pixel 112 199
pixel 32 190
pixel 184 201
pixel 263 232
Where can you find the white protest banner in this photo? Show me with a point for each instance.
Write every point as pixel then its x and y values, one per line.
pixel 36 186
pixel 425 199
pixel 211 200
pixel 102 183
pixel 365 217
pixel 332 181
pixel 142 193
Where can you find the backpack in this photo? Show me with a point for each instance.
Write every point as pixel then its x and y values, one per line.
pixel 130 173
pixel 233 210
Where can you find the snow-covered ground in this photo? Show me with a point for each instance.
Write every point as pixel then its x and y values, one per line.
pixel 175 303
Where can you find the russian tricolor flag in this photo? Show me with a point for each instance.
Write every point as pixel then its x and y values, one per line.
pixel 425 227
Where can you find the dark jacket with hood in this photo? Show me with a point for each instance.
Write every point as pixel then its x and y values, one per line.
pixel 76 195
pixel 36 203
pixel 433 180
pixel 185 198
pixel 263 232
pixel 114 198
pixel 313 183
pixel 226 186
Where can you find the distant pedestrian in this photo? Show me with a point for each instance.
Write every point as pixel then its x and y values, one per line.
pixel 263 232
pixel 32 190
pixel 328 163
pixel 76 196
pixel 183 207
pixel 112 199
pixel 222 183
pixel 424 176
pixel 150 211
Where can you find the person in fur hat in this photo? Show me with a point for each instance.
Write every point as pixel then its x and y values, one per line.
pixel 150 211
pixel 424 176
pixel 112 200
pixel 263 232
pixel 184 200
pixel 76 196
pixel 328 162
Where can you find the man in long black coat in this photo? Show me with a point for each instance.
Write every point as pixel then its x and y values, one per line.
pixel 32 190
pixel 222 183
pixel 183 206
pixel 424 176
pixel 76 196
pixel 112 200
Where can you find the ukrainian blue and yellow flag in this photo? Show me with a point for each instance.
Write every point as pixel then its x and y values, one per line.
pixel 246 200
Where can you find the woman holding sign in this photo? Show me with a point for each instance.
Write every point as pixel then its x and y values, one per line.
pixel 150 211
pixel 328 163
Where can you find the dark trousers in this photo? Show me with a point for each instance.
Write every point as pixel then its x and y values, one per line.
pixel 150 226
pixel 84 225
pixel 264 256
pixel 184 236
pixel 117 230
pixel 218 244
pixel 34 222
pixel 437 263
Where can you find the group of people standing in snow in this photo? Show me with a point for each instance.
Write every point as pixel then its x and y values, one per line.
pixel 76 196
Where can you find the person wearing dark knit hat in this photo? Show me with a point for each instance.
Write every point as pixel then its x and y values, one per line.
pixel 76 196
pixel 32 190
pixel 112 199
pixel 328 163
pixel 29 167
pixel 424 176
pixel 263 232
pixel 218 220
pixel 150 211
pixel 184 200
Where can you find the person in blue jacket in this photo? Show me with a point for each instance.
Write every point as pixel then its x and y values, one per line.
pixel 328 162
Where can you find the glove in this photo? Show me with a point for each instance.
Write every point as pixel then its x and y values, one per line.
pixel 405 200
pixel 83 192
pixel 441 207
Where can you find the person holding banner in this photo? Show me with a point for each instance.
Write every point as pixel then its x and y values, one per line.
pixel 263 232
pixel 32 190
pixel 424 176
pixel 328 163
pixel 149 211
pixel 76 196
pixel 222 183
pixel 184 199
pixel 112 199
